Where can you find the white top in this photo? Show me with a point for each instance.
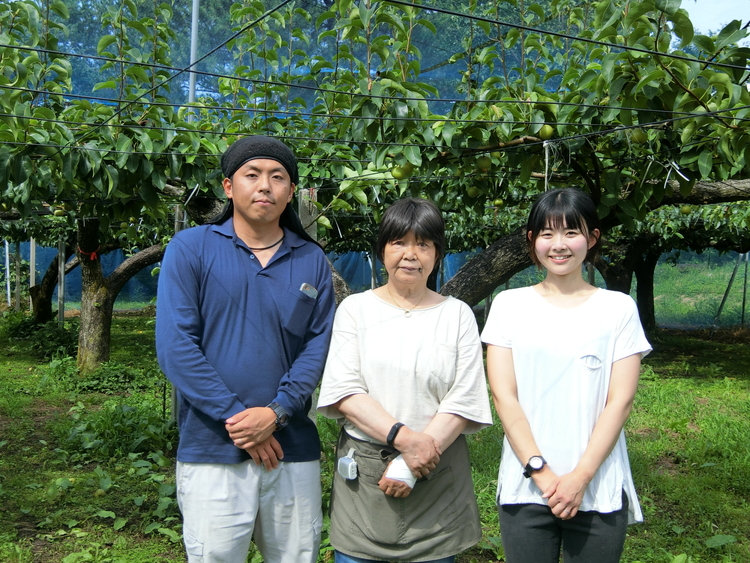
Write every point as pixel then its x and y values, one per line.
pixel 415 366
pixel 563 363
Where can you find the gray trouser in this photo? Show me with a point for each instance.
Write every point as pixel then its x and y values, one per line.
pixel 532 534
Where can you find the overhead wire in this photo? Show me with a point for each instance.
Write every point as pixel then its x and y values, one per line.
pixel 295 113
pixel 349 160
pixel 434 119
pixel 565 35
pixel 197 61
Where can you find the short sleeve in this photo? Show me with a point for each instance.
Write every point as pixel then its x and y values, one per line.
pixel 497 330
pixel 630 337
pixel 342 375
pixel 468 396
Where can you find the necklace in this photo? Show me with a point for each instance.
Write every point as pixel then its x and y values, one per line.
pixel 407 312
pixel 269 246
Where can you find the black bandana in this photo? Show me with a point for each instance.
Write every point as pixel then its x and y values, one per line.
pixel 258 146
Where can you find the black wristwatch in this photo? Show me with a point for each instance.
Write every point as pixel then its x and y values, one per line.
pixel 536 462
pixel 282 417
pixel 392 434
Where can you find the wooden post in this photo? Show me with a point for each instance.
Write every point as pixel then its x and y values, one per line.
pixel 308 213
pixel 744 292
pixel 32 270
pixel 61 283
pixel 17 291
pixel 7 271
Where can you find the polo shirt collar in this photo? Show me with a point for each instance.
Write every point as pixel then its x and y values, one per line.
pixel 226 228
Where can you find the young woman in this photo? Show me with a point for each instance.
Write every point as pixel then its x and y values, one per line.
pixel 563 361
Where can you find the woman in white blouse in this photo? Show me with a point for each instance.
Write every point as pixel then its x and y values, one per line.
pixel 405 379
pixel 563 361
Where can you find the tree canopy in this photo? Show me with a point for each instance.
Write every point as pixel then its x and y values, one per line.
pixel 478 106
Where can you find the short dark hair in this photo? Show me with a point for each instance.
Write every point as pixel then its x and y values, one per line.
pixel 569 207
pixel 420 216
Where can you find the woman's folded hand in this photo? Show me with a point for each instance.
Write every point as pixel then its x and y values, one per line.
pixel 421 452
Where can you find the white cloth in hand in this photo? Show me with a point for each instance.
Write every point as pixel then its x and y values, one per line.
pixel 399 471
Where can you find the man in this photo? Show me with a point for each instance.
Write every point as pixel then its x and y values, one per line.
pixel 245 309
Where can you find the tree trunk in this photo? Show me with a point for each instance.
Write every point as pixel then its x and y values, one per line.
pixel 98 293
pixel 644 273
pixel 41 294
pixel 617 273
pixel 479 277
pixel 341 289
pixel 96 300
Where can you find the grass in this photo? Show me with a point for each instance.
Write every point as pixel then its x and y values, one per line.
pixel 86 465
pixel 691 291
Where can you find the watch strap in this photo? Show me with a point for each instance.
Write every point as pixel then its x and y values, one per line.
pixel 282 417
pixel 528 470
pixel 392 434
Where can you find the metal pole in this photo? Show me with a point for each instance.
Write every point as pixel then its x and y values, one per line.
pixel 17 260
pixel 7 271
pixel 726 293
pixel 32 269
pixel 193 52
pixel 744 292
pixel 60 283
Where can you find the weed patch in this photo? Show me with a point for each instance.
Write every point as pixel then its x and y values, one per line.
pixel 87 464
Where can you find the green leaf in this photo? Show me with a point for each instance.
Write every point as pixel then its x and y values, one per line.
pixel 138 26
pixel 721 81
pixel 94 157
pixel 59 7
pixel 705 163
pixel 683 27
pixel 720 540
pixel 171 534
pixel 413 155
pixel 705 44
pixel 105 42
pixel 636 10
pixel 120 523
pixel 108 84
pixel 687 132
pixel 667 6
pixel 359 195
pixel 608 66
pixel 124 146
pixel 448 130
pixel 105 514
pixel 149 194
pixel 730 34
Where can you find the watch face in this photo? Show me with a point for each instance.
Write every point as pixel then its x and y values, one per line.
pixel 536 463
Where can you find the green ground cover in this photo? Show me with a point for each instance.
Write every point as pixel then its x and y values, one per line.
pixel 86 465
pixel 688 293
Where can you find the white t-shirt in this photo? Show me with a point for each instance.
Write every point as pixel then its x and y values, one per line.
pixel 563 363
pixel 415 366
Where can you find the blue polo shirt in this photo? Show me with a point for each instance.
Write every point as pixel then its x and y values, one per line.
pixel 231 335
